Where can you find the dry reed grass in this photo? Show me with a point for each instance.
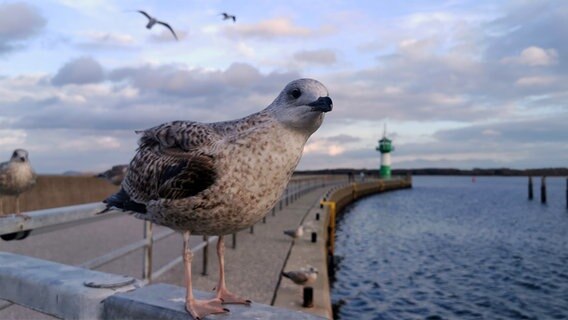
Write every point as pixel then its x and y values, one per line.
pixel 57 191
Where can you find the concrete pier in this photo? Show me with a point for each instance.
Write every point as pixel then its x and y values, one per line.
pixel 253 269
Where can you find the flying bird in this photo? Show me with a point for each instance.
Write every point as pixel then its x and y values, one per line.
pixel 219 178
pixel 296 233
pixel 114 175
pixel 227 16
pixel 303 276
pixel 152 21
pixel 16 177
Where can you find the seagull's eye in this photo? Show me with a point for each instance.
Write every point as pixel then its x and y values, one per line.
pixel 296 93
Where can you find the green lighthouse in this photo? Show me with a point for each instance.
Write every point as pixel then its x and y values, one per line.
pixel 385 147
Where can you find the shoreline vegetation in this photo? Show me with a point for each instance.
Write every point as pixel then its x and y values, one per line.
pixel 506 172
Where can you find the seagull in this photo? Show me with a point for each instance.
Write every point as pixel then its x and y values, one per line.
pixel 114 175
pixel 219 178
pixel 227 16
pixel 16 177
pixel 152 21
pixel 302 277
pixel 297 233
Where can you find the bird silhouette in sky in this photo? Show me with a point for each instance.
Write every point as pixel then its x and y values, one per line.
pixel 227 16
pixel 152 21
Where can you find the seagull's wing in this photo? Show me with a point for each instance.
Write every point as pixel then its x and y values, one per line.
pixel 168 26
pixel 298 277
pixel 144 13
pixel 234 19
pixel 4 177
pixel 175 160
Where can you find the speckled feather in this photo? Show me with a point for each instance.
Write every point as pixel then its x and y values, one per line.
pixel 217 178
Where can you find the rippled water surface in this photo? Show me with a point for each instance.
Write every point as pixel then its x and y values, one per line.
pixel 453 249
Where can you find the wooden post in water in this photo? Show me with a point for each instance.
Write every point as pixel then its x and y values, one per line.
pixel 543 190
pixel 530 188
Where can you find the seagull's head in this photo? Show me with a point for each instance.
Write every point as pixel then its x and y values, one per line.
pixel 302 105
pixel 19 155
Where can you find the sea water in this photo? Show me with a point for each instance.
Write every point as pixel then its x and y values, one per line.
pixel 455 248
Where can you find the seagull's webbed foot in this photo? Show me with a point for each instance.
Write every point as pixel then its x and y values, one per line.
pixel 228 297
pixel 201 308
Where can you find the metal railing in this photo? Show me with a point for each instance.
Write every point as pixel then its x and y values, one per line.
pixel 50 220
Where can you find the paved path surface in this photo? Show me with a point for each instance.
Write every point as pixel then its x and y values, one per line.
pixel 252 269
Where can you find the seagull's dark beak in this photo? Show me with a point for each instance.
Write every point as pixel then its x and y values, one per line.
pixel 323 104
pixel 22 159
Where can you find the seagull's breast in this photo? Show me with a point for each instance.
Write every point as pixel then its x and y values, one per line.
pixel 17 178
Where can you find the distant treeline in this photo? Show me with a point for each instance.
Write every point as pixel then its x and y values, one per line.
pixel 448 172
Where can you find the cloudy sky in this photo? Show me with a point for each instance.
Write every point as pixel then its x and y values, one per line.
pixel 461 84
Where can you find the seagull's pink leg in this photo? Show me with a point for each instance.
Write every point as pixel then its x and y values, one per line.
pixel 197 308
pixel 222 293
pixel 25 216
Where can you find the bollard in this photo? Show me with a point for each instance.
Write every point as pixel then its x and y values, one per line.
pixel 314 237
pixel 234 240
pixel 205 255
pixel 543 190
pixel 274 211
pixel 252 229
pixel 308 297
pixel 264 219
pixel 147 262
pixel 530 188
pixel 317 216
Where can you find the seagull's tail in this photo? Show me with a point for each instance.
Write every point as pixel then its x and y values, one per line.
pixel 121 200
pixel 291 233
pixel 286 275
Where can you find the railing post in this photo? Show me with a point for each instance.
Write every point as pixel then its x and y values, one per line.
pixel 234 240
pixel 205 255
pixel 147 263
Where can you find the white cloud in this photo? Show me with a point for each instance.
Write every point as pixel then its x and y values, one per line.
pixel 12 139
pixel 534 56
pixel 535 81
pixel 320 56
pixel 108 38
pixel 268 29
pixel 320 146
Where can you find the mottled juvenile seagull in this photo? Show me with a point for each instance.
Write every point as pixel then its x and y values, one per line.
pixel 227 16
pixel 303 276
pixel 16 176
pixel 296 233
pixel 219 178
pixel 152 21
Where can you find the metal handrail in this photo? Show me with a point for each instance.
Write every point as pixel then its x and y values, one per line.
pixel 49 220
